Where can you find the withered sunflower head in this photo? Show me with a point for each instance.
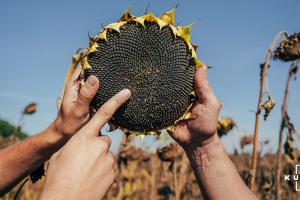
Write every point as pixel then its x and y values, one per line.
pixel 168 153
pixel 289 49
pixel 152 58
pixel 225 125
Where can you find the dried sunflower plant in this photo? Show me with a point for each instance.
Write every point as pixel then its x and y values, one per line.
pixel 28 110
pixel 225 125
pixel 268 105
pixel 287 51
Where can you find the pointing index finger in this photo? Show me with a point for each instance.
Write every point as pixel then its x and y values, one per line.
pixel 106 111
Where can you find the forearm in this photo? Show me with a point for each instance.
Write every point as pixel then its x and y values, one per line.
pixel 215 173
pixel 19 160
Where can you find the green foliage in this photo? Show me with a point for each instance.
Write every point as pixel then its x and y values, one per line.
pixel 7 129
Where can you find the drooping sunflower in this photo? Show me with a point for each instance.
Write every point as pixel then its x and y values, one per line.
pixel 152 58
pixel 225 124
pixel 288 49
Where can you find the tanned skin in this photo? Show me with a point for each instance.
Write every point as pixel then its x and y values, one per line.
pixel 19 160
pixel 86 163
pixel 216 175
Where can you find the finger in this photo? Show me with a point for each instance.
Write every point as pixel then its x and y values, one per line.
pixel 106 111
pixel 56 154
pixel 85 96
pixel 76 72
pixel 203 88
pixel 47 164
pixel 179 133
pixel 110 159
pixel 105 143
pixel 72 87
pixel 75 75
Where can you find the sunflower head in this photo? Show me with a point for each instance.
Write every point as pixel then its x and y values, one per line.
pixel 289 49
pixel 225 125
pixel 30 109
pixel 246 140
pixel 168 153
pixel 152 58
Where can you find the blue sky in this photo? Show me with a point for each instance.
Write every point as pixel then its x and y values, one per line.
pixel 38 39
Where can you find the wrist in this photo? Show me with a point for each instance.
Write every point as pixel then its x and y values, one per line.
pixel 53 136
pixel 203 142
pixel 55 194
pixel 61 189
pixel 44 144
pixel 56 126
pixel 212 143
pixel 61 128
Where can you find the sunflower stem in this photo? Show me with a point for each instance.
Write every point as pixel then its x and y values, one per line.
pixel 264 72
pixel 282 126
pixel 177 193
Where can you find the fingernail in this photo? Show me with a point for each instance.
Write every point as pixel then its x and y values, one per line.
pixel 126 93
pixel 91 81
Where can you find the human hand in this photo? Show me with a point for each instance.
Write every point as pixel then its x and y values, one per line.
pixel 204 119
pixel 74 110
pixel 83 168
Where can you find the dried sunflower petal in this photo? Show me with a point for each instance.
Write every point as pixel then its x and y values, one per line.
pixel 268 107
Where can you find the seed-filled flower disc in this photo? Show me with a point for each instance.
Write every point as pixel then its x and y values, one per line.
pixel 153 59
